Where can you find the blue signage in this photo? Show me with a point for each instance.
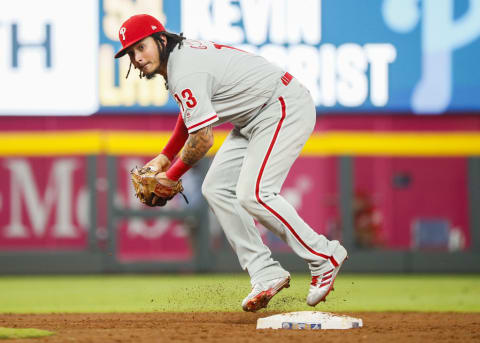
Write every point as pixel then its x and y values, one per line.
pixel 390 56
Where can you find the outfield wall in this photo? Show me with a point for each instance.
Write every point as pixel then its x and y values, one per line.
pixel 392 170
pixel 401 192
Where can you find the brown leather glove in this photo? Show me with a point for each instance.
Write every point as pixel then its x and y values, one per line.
pixel 152 191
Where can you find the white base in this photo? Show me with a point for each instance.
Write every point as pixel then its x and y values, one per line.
pixel 308 320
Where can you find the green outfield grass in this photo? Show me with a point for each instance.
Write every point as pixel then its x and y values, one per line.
pixel 23 333
pixel 148 293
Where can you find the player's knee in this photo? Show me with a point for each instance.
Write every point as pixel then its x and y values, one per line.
pixel 246 199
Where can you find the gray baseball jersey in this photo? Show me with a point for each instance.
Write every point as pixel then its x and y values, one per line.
pixel 214 83
pixel 273 115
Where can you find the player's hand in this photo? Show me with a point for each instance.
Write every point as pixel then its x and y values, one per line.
pixel 165 181
pixel 160 163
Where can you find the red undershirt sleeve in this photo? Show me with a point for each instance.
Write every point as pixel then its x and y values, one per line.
pixel 177 139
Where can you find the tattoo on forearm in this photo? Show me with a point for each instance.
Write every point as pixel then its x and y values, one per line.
pixel 197 145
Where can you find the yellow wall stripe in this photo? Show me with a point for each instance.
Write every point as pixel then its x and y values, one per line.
pixel 50 143
pixel 135 143
pixel 393 144
pixel 147 143
pixel 60 143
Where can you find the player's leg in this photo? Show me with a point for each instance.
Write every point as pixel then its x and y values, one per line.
pixel 219 190
pixel 275 142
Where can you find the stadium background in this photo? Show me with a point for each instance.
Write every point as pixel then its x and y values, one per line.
pixel 392 168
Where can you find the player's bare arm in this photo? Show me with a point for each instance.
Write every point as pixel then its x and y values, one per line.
pixel 197 145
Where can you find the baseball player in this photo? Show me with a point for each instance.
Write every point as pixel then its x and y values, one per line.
pixel 273 115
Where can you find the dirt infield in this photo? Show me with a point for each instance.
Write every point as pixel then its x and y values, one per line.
pixel 241 327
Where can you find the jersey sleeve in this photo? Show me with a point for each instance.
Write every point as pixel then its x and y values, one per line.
pixel 193 93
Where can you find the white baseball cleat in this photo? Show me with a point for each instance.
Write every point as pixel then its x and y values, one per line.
pixel 262 292
pixel 322 281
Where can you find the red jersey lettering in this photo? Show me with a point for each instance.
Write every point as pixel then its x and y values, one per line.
pixel 191 101
pixel 179 101
pixel 220 46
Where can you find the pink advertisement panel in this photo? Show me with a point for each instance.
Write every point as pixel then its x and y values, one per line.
pixel 43 203
pixel 412 203
pixel 311 188
pixel 159 239
pixel 398 203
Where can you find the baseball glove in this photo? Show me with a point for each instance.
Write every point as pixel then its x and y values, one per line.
pixel 151 191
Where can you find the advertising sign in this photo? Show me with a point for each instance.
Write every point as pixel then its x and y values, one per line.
pixel 43 204
pixel 415 56
pixel 372 56
pixel 158 239
pixel 49 58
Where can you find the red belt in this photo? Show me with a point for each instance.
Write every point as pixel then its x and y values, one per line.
pixel 286 78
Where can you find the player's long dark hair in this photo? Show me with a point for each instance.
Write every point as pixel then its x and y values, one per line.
pixel 172 41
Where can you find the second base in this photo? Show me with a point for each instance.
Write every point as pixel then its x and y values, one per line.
pixel 308 320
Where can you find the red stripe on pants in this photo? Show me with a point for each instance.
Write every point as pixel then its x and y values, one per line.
pixel 259 178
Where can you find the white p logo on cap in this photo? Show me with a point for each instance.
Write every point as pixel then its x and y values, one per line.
pixel 122 32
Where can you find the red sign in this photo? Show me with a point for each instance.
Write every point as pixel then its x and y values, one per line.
pixel 159 239
pixel 43 203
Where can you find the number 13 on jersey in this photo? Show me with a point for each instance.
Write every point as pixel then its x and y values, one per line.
pixel 187 95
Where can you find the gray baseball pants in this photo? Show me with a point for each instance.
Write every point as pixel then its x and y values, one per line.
pixel 247 174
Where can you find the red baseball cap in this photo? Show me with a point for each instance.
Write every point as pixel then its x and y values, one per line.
pixel 135 29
